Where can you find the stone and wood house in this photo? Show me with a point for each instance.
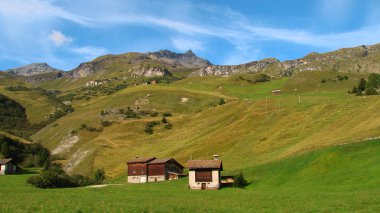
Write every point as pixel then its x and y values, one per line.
pixel 205 174
pixel 142 170
pixel 7 167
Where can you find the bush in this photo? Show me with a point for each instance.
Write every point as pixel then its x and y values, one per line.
pixel 166 114
pixel 153 114
pixel 169 126
pixel 99 176
pixel 149 126
pixel 130 113
pixel 55 177
pixel 221 101
pixel 239 181
pixel 90 128
pixel 106 123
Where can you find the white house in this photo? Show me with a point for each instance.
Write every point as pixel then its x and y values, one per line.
pixel 7 167
pixel 205 174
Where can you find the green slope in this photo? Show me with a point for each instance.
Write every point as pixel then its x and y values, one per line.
pixel 343 178
pixel 253 128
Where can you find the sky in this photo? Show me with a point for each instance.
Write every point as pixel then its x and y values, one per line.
pixel 65 33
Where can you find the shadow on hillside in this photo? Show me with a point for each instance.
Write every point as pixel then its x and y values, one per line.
pixel 231 185
pixel 26 172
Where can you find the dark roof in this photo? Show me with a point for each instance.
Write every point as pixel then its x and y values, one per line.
pixel 164 160
pixel 5 161
pixel 205 164
pixel 141 160
pixel 157 161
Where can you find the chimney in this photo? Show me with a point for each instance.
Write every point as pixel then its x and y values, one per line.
pixel 216 157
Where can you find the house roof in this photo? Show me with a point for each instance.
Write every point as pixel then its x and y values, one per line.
pixel 141 160
pixel 164 160
pixel 5 161
pixel 205 164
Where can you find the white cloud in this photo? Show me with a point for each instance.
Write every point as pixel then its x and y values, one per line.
pixel 184 44
pixel 89 52
pixel 58 38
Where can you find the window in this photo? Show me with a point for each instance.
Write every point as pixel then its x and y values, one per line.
pixel 203 176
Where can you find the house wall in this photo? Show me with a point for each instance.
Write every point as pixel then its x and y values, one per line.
pixel 137 169
pixel 2 169
pixel 157 172
pixel 8 168
pixel 173 176
pixel 156 169
pixel 214 184
pixel 156 178
pixel 137 179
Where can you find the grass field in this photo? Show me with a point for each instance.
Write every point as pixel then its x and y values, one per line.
pixel 343 178
pixel 251 129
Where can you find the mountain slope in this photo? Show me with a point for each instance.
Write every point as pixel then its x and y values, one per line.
pixel 253 128
pixel 362 59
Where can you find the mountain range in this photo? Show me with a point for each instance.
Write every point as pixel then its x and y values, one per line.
pixel 362 59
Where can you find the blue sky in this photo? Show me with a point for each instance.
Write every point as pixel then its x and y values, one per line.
pixel 65 33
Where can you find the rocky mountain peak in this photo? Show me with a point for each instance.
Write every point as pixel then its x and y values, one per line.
pixel 189 53
pixel 32 69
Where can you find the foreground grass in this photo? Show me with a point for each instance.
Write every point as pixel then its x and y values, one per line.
pixel 337 179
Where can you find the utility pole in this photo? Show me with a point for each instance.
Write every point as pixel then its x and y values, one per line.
pixel 266 104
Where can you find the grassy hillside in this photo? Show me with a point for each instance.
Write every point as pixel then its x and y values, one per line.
pixel 253 128
pixel 342 178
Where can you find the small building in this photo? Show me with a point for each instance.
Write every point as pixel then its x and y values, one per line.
pixel 142 170
pixel 205 174
pixel 164 169
pixel 276 92
pixel 7 167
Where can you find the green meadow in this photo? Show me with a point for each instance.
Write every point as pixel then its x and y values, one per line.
pixel 343 178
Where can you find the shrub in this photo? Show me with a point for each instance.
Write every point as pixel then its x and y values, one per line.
pixel 53 177
pixel 106 123
pixel 153 114
pixel 149 126
pixel 239 181
pixel 83 126
pixel 130 113
pixel 99 176
pixel 169 126
pixel 362 84
pixel 221 101
pixel 166 114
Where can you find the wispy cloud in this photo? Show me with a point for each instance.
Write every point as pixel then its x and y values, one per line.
pixel 25 24
pixel 36 10
pixel 89 52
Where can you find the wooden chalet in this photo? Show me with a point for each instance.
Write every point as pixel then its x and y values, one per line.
pixel 153 169
pixel 205 174
pixel 7 167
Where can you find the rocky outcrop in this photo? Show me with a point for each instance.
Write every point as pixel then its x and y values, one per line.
pixel 141 71
pixel 35 73
pixel 251 67
pixel 187 59
pixel 362 59
pixel 83 70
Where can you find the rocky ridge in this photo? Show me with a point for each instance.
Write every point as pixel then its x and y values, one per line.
pixel 363 59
